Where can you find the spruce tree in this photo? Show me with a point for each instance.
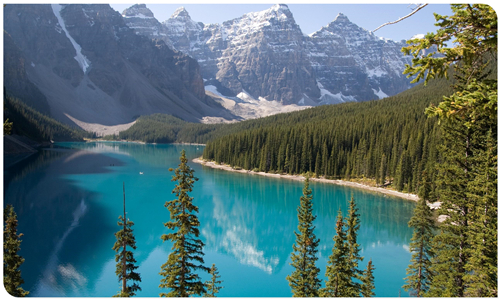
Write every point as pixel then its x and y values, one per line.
pixel 187 255
pixel 304 280
pixel 419 274
pixel 466 118
pixel 382 170
pixel 482 271
pixel 338 269
pixel 12 261
pixel 352 241
pixel 367 281
pixel 451 243
pixel 213 285
pixel 125 267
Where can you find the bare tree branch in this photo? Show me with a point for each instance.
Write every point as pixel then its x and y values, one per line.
pixel 419 7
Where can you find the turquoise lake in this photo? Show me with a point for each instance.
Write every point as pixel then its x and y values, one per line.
pixel 68 200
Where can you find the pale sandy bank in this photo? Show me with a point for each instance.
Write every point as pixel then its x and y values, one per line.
pixel 211 164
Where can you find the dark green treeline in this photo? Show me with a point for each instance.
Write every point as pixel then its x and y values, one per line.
pixel 389 140
pixel 28 122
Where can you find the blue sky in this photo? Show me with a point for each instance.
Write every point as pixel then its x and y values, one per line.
pixel 311 17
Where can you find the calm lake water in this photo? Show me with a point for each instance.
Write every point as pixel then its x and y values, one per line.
pixel 68 200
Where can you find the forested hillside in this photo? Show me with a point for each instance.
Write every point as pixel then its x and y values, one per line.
pixel 37 126
pixel 390 140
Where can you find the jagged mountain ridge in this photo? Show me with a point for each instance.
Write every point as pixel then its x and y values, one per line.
pixel 265 54
pixel 92 68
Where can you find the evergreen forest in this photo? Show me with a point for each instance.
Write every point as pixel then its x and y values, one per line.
pixel 27 121
pixel 390 141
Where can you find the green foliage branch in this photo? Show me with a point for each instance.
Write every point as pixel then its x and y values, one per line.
pixel 465 265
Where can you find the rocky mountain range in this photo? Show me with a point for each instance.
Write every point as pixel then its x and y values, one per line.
pixel 266 55
pixel 88 64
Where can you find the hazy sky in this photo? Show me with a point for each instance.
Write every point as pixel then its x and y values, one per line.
pixel 311 17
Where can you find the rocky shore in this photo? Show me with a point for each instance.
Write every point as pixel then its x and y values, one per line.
pixel 212 164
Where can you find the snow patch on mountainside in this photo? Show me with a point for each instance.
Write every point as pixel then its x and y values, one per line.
pixel 380 94
pixel 247 107
pixel 376 72
pixel 328 97
pixel 139 16
pixel 80 58
pixel 213 90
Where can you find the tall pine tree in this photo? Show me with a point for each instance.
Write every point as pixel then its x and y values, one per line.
pixel 213 285
pixel 187 255
pixel 125 267
pixel 12 261
pixel 338 269
pixel 304 279
pixel 419 274
pixel 352 241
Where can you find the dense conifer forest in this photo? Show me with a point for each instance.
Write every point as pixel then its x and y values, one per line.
pixel 391 141
pixel 28 122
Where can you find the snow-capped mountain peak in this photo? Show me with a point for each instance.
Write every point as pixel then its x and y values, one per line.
pixel 138 11
pixel 142 20
pixel 266 54
pixel 181 13
pixel 341 18
pixel 279 11
pixel 343 23
pixel 180 22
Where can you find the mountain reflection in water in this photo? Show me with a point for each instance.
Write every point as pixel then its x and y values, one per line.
pixel 68 201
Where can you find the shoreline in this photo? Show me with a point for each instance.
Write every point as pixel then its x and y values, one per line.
pixel 213 165
pixel 189 144
pixel 141 142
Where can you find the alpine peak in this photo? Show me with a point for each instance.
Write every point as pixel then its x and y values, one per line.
pixel 180 12
pixel 280 7
pixel 138 10
pixel 341 18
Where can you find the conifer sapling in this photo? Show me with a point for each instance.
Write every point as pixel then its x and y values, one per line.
pixel 12 261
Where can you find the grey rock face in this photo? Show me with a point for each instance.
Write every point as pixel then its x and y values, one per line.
pixel 15 77
pixel 143 21
pixel 355 63
pixel 92 67
pixel 261 53
pixel 202 42
pixel 266 54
